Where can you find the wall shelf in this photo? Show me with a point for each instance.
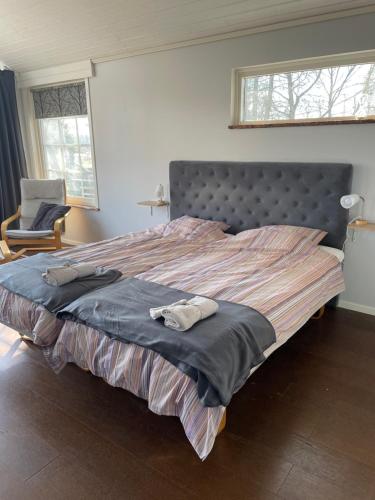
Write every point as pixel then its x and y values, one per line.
pixel 153 203
pixel 370 226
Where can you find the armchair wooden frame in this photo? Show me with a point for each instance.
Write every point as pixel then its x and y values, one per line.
pixel 9 256
pixel 43 244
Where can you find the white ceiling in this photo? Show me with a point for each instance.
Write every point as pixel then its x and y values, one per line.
pixel 40 33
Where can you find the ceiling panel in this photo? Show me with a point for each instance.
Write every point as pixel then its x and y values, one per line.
pixel 40 33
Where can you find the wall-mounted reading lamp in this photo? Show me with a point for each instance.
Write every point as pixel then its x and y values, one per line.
pixel 350 200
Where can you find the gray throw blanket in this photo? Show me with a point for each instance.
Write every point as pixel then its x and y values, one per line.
pixel 218 352
pixel 24 277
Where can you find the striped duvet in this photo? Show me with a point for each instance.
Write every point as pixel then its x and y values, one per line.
pixel 286 278
pixel 286 285
pixel 131 254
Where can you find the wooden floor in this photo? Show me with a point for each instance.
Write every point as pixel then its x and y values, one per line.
pixel 303 427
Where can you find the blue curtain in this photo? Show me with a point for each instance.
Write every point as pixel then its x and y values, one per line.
pixel 12 156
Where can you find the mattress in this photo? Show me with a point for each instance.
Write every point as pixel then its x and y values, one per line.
pixel 339 254
pixel 285 286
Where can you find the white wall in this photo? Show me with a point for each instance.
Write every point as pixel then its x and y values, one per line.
pixel 151 109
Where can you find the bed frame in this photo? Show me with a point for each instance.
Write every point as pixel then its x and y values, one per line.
pixel 248 195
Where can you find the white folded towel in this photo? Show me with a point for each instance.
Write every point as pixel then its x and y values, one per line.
pixel 156 312
pixel 183 314
pixel 61 275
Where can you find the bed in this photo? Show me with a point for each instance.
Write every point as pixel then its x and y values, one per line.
pixel 245 196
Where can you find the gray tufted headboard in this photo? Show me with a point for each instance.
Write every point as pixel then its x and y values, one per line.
pixel 252 194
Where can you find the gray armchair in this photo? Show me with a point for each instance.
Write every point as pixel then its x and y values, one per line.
pixel 33 192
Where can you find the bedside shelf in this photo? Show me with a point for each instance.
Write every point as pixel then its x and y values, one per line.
pixel 370 226
pixel 153 203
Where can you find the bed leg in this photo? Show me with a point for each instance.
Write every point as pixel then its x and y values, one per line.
pixel 319 313
pixel 222 423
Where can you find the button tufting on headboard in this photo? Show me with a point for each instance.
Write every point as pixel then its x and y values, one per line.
pixel 299 194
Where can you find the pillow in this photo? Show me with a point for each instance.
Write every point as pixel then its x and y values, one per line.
pixel 313 235
pixel 190 228
pixel 46 216
pixel 283 238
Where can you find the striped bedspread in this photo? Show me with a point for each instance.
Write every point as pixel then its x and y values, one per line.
pixel 287 279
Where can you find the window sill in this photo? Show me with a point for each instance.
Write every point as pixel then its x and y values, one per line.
pixel 302 123
pixel 85 207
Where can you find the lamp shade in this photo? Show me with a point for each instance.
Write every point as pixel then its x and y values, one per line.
pixel 349 200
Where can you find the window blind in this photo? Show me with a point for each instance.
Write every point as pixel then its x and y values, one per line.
pixel 60 101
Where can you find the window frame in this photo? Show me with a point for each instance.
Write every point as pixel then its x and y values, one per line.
pixel 70 200
pixel 238 74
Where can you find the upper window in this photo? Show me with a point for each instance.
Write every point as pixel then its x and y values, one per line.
pixel 321 94
pixel 65 140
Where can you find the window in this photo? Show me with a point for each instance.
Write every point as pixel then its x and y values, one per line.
pixel 65 140
pixel 305 92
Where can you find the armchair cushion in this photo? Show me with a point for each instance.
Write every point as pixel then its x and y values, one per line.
pixel 34 191
pixel 46 216
pixel 43 189
pixel 24 234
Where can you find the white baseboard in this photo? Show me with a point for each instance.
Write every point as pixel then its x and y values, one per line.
pixel 72 242
pixel 357 307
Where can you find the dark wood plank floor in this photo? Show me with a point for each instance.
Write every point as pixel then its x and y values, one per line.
pixel 303 427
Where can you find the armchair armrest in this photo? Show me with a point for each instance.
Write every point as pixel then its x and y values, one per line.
pixel 8 256
pixel 57 229
pixel 5 250
pixel 9 220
